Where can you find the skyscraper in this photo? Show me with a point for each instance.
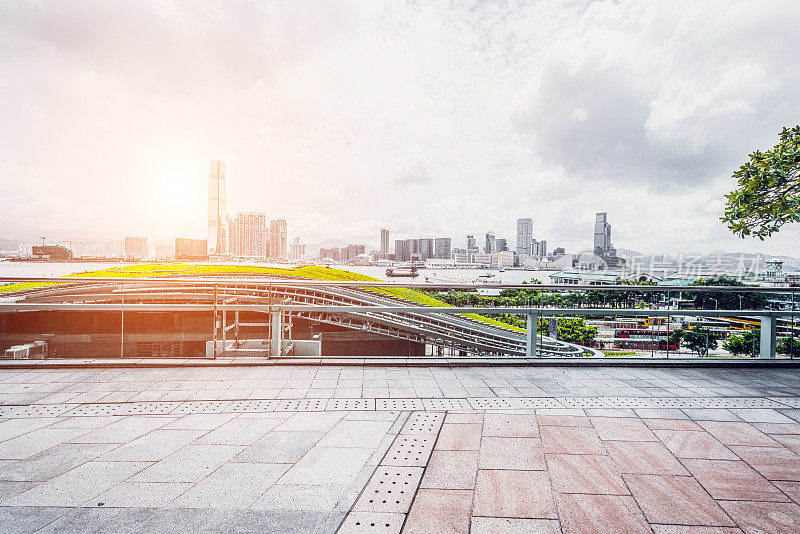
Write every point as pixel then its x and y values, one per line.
pixel 384 243
pixel 426 249
pixel 217 209
pixel 602 235
pixel 442 247
pixel 524 236
pixel 490 245
pixel 249 235
pixel 400 251
pixel 277 238
pixel 501 245
pixel 136 247
pixel 472 245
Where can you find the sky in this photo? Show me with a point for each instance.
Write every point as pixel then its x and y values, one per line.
pixel 428 118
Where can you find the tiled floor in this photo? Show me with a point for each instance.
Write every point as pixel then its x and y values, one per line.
pixel 262 450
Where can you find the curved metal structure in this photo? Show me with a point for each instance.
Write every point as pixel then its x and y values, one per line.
pixel 459 334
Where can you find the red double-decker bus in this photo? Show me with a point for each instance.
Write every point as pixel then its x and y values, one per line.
pixel 643 338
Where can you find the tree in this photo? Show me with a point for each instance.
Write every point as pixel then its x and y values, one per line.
pixel 790 347
pixel 747 343
pixel 571 330
pixel 695 340
pixel 727 300
pixel 768 192
pixel 676 336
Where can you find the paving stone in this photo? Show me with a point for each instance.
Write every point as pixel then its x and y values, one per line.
pixel 9 488
pixel 763 415
pixel 675 500
pixel 503 525
pixel 440 511
pixel 188 464
pixel 734 433
pixel 356 434
pixel 584 473
pixel 141 494
pixel 99 520
pixel 774 463
pixel 644 457
pixel 694 444
pixel 124 430
pixel 233 485
pixel 735 480
pixel 457 418
pixel 510 425
pixel 459 437
pixel 310 422
pixel 660 413
pixel 77 486
pixel 622 429
pixel 509 493
pixel 240 431
pixel 52 462
pixel 571 440
pixel 310 497
pixel 25 519
pixel 778 428
pixel 281 521
pixel 326 465
pixel 791 489
pixel 391 489
pixel 511 453
pixel 710 414
pixel 451 470
pixel 563 420
pixel 763 517
pixel 280 447
pixel 173 521
pixel 589 514
pixel 153 446
pixel 687 529
pixel 672 424
pixel 36 441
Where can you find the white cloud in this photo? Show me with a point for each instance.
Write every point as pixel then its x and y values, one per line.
pixel 428 118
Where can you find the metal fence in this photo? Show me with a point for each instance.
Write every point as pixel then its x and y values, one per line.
pixel 768 321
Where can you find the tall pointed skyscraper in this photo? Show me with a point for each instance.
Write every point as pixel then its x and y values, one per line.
pixel 217 209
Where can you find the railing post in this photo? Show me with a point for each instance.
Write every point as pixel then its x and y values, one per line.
pixel 277 334
pixel 530 340
pixel 769 327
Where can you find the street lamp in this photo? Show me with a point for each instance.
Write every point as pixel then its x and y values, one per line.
pixel 716 302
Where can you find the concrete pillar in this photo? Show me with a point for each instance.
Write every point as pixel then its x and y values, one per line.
pixel 277 335
pixel 530 341
pixel 769 330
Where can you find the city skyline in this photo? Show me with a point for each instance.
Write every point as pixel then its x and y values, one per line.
pixel 435 120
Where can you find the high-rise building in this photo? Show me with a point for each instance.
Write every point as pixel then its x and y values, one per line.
pixel 543 248
pixel 191 249
pixel 602 235
pixel 501 245
pixel 136 247
pixel 351 252
pixel 384 252
pixel 296 249
pixel 524 236
pixel 472 245
pixel 399 250
pixel 330 253
pixel 490 245
pixel 277 238
pixel 426 250
pixel 217 209
pixel 411 250
pixel 249 235
pixel 442 247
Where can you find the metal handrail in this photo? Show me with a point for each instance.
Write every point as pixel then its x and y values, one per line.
pixel 260 281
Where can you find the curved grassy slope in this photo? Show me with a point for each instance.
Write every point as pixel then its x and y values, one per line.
pixel 311 272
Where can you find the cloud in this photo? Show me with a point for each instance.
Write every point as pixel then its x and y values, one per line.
pixel 430 118
pixel 670 94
